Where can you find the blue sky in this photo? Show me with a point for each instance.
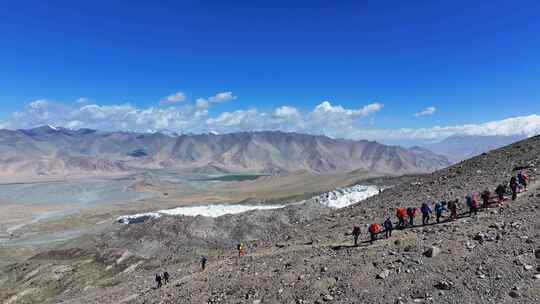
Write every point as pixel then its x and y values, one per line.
pixel 472 61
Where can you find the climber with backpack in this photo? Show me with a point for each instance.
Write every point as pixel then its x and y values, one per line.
pixel 523 178
pixel 500 191
pixel 486 195
pixel 401 213
pixel 204 259
pixel 453 206
pixel 439 209
pixel 158 280
pixel 411 212
pixel 426 212
pixel 373 229
pixel 241 249
pixel 388 227
pixel 165 277
pixel 514 187
pixel 472 203
pixel 356 234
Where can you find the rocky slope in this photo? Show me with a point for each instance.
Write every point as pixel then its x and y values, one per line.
pixel 56 151
pixel 302 254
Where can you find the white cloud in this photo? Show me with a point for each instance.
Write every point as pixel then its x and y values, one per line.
pixel 39 104
pixel 328 119
pixel 236 118
pixel 222 97
pixel 203 104
pixel 173 99
pixel 326 109
pixel 286 112
pixel 522 125
pixel 426 112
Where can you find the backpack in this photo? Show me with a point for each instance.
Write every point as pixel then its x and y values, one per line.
pixel 474 200
pixel 374 228
pixel 425 208
pixel 401 213
pixel 439 207
pixel 356 230
pixel 468 200
pixel 388 224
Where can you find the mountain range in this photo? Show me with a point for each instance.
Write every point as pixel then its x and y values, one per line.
pixel 54 151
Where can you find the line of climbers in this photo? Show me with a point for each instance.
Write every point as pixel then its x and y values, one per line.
pixel 406 216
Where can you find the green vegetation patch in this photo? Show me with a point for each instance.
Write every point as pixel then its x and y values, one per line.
pixel 235 177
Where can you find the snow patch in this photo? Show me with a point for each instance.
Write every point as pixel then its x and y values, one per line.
pixel 217 210
pixel 343 197
pixel 338 198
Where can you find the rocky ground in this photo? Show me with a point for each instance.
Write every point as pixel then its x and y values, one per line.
pixel 302 254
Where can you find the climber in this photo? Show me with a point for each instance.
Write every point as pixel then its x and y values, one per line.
pixel 411 212
pixel 453 206
pixel 523 178
pixel 500 191
pixel 472 203
pixel 426 211
pixel 401 213
pixel 165 277
pixel 373 230
pixel 241 249
pixel 514 187
pixel 158 280
pixel 356 234
pixel 486 195
pixel 439 208
pixel 388 227
pixel 204 259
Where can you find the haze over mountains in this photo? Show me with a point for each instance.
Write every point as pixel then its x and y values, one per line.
pixel 56 151
pixel 460 147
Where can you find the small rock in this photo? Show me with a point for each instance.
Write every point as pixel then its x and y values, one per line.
pixel 384 274
pixel 432 252
pixel 444 285
pixel 479 237
pixel 497 226
pixel 528 267
pixel 513 294
pixel 328 298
